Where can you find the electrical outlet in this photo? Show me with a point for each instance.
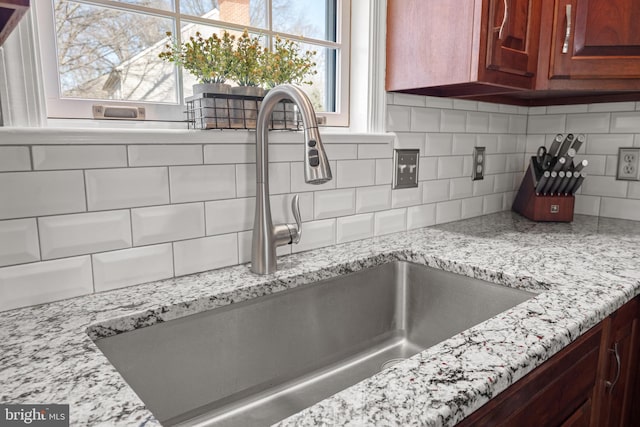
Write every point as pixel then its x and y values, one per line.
pixel 629 164
pixel 478 163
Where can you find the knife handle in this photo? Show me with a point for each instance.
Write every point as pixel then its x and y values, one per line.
pixel 565 182
pixel 543 182
pixel 550 181
pixel 566 144
pixel 577 143
pixel 555 145
pixel 557 182
pixel 578 183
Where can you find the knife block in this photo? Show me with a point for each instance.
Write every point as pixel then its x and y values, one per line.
pixel 542 208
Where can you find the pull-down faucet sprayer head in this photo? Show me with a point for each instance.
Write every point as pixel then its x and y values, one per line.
pixel 316 165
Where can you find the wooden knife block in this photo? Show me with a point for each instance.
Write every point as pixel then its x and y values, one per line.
pixel 539 207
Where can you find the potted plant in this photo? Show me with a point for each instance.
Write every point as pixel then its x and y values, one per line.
pixel 210 60
pixel 287 64
pixel 247 72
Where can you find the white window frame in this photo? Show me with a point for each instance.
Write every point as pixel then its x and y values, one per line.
pixel 60 108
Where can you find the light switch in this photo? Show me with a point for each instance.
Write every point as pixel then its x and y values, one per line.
pixel 405 174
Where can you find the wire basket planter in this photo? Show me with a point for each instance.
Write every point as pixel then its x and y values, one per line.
pixel 230 111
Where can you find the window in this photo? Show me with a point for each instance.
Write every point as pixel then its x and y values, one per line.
pixel 106 51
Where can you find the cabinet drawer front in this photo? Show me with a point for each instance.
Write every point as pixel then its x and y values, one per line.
pixel 551 393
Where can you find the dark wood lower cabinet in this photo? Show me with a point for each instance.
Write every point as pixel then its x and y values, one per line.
pixel 592 382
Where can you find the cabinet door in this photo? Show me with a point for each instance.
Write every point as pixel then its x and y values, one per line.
pixel 622 366
pixel 512 39
pixel 596 39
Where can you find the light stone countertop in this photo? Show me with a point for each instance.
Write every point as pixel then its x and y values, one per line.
pixel 582 272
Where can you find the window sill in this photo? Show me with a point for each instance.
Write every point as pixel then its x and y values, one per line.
pixel 112 136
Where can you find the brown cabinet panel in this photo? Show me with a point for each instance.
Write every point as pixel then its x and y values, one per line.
pixel 513 34
pixel 603 43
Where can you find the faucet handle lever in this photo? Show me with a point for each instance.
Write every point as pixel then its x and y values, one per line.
pixel 296 231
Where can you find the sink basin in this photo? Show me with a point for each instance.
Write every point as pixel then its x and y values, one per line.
pixel 259 361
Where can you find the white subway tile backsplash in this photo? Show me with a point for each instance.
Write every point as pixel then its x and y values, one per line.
pixel 334 203
pixel 453 121
pixel 425 119
pixel 604 186
pixel 460 188
pixel 49 157
pixel 634 190
pixel 517 124
pixel 439 144
pixel 14 159
pixel 410 140
pixel 435 191
pixel 398 118
pixel 467 166
pixel 229 153
pixel 428 168
pixel 438 102
pixel 317 234
pixel 492 203
pixel 495 163
pixel 407 99
pixel 559 109
pixel 607 144
pixel 286 153
pixel 463 144
pixel 355 173
pixel 375 151
pixel 546 124
pixel 587 205
pixel 128 267
pixel 484 186
pixel 515 162
pixel 503 182
pixel 489 141
pixel 537 111
pixel 200 183
pixel 356 227
pixel 384 171
pixel 625 122
pixel 78 234
pixel 450 167
pixel 403 197
pixel 370 199
pixel 37 283
pixel 161 155
pixel 507 144
pixel 225 216
pixel 448 211
pixel 167 223
pixel 207 253
pixel 18 241
pixel 26 194
pixel 588 123
pixel 123 188
pixel 279 179
pixel 611 207
pixel 611 106
pixel 498 123
pixel 421 216
pixel 463 104
pixel 391 221
pixel 472 207
pixel 611 166
pixel 341 151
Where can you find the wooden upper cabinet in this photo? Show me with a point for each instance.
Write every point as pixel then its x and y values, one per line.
pixel 462 47
pixel 596 39
pixel 11 11
pixel 512 40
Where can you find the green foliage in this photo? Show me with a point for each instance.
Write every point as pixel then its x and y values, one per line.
pixel 220 58
pixel 288 64
pixel 210 60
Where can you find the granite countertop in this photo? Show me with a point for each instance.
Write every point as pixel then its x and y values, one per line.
pixel 581 271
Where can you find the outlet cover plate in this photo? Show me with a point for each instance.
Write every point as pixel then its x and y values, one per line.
pixel 628 164
pixel 405 168
pixel 479 158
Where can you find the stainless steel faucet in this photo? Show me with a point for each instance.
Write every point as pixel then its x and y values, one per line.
pixel 266 236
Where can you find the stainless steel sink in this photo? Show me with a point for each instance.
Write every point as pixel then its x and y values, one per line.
pixel 259 361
